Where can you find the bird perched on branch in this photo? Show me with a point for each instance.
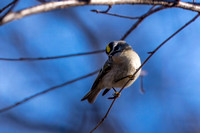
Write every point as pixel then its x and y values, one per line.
pixel 122 62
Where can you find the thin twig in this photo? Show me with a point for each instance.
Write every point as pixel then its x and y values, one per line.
pixel 45 91
pixel 102 120
pixel 135 25
pixel 48 6
pixel 152 8
pixel 50 58
pixel 116 15
pixel 152 53
pixel 11 3
pixel 112 14
pixel 107 10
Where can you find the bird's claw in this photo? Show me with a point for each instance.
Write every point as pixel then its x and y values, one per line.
pixel 131 77
pixel 115 95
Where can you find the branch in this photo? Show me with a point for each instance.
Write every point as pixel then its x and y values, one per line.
pixel 48 6
pixel 112 14
pixel 50 58
pixel 140 19
pixel 102 120
pixel 10 4
pixel 152 53
pixel 45 91
pixel 116 15
pixel 135 25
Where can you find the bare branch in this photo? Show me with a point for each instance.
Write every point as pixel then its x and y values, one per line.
pixel 45 91
pixel 107 10
pixel 152 53
pixel 152 8
pixel 116 15
pixel 102 120
pixel 48 6
pixel 135 25
pixel 50 58
pixel 11 3
pixel 112 14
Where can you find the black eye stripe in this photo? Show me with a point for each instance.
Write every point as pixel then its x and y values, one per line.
pixel 111 46
pixel 117 48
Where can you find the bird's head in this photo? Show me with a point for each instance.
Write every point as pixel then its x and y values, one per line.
pixel 116 47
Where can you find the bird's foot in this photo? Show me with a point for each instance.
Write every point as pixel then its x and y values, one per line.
pixel 131 77
pixel 115 95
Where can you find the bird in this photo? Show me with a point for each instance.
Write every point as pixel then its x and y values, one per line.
pixel 120 66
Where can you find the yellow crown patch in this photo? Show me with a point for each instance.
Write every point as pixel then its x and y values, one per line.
pixel 108 49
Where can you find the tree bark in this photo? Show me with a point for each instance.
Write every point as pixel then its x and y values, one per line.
pixel 48 6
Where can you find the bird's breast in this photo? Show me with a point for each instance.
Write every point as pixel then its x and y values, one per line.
pixel 123 66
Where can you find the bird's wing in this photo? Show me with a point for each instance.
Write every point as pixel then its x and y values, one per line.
pixel 106 68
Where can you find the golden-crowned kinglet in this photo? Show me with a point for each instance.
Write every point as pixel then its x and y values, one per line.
pixel 122 62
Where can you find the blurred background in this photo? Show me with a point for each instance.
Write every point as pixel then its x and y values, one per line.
pixel 172 94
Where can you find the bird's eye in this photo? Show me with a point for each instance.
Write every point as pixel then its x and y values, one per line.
pixel 117 48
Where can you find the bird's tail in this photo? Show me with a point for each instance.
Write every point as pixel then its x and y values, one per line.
pixel 91 95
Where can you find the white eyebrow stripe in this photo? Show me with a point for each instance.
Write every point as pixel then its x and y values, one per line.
pixel 114 45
